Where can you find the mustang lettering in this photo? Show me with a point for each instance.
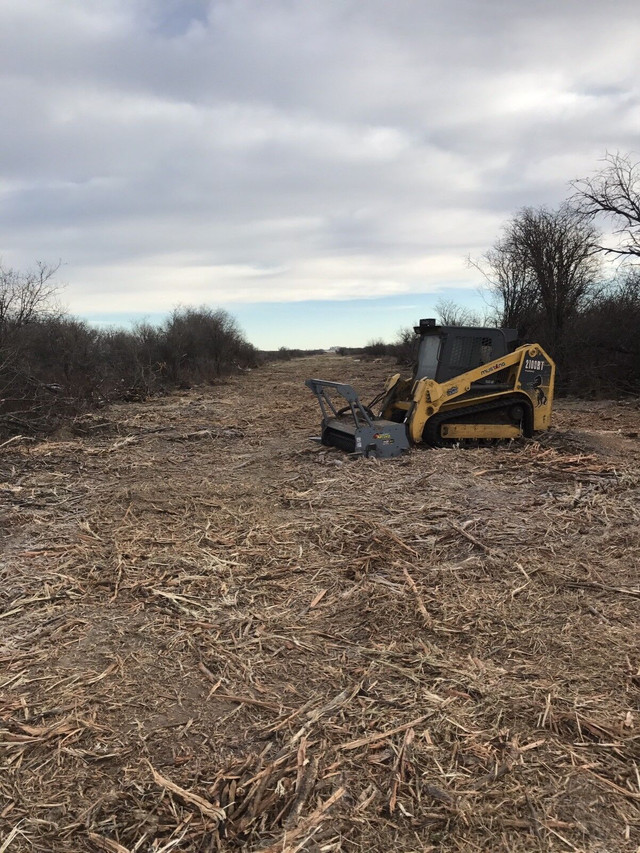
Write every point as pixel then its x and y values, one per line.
pixel 492 368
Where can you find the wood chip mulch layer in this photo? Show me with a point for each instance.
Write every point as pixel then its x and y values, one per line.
pixel 216 635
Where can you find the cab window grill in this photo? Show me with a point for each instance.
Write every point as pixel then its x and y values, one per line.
pixel 470 352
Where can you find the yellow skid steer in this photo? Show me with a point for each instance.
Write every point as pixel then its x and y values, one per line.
pixel 468 384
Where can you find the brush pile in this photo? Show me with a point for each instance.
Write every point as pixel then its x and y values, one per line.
pixel 217 636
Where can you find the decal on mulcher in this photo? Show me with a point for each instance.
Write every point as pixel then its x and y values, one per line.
pixel 384 437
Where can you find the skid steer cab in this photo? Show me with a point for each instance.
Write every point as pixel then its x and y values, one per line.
pixel 468 385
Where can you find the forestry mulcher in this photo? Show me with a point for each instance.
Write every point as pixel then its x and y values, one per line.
pixel 468 385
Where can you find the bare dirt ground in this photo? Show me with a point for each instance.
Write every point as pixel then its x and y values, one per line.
pixel 216 635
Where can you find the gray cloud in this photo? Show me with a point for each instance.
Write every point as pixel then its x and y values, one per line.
pixel 241 150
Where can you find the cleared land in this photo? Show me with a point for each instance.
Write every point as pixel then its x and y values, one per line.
pixel 215 635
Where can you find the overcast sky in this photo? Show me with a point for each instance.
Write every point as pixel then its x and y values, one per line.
pixel 240 152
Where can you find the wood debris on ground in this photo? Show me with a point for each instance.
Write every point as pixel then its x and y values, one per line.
pixel 218 636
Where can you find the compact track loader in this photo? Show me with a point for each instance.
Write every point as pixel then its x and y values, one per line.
pixel 468 384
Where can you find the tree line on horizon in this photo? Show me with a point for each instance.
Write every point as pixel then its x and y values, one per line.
pixel 544 276
pixel 54 366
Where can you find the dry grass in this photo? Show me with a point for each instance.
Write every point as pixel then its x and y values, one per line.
pixel 217 636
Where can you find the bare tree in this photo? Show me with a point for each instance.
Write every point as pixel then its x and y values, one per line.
pixel 605 342
pixel 560 250
pixel 405 346
pixel 451 314
pixel 26 296
pixel 542 270
pixel 512 289
pixel 198 343
pixel 26 301
pixel 613 192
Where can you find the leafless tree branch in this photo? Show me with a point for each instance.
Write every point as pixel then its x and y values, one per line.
pixel 613 192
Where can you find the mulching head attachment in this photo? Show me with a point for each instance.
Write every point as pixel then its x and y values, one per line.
pixel 354 428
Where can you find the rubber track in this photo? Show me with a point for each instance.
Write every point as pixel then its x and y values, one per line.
pixel 431 433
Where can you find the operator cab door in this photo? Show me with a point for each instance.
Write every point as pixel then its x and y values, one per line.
pixel 429 356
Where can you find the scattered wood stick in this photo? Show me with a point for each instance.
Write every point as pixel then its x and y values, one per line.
pixel 398 541
pixel 622 590
pixel 486 548
pixel 103 843
pixel 317 599
pixel 421 607
pixel 338 701
pixel 9 839
pixel 276 763
pixel 242 700
pixel 363 741
pixel 207 672
pixel 247 700
pixel 14 439
pixel 624 791
pixel 400 766
pixel 282 723
pixel 494 774
pixel 205 807
pixel 283 845
pixel 307 775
